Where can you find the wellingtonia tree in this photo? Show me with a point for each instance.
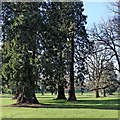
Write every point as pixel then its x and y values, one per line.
pixel 32 31
pixel 21 21
pixel 66 18
pixel 54 49
pixel 79 43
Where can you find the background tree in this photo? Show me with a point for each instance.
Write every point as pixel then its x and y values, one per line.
pixel 108 32
pixel 95 65
pixel 109 79
pixel 54 63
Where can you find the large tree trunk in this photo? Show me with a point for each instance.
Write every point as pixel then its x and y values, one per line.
pixel 61 92
pixel 97 93
pixel 71 91
pixel 27 90
pixel 27 95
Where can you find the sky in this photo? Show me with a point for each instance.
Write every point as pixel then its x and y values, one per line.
pixel 95 12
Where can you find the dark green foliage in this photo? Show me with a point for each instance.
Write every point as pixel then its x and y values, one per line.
pixel 110 77
pixel 21 23
pixel 39 40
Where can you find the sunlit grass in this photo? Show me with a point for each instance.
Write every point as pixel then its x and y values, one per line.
pixel 86 106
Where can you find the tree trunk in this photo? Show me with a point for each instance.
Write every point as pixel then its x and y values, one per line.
pixel 27 95
pixel 71 91
pixel 97 93
pixel 15 93
pixel 81 92
pixel 61 92
pixel 104 93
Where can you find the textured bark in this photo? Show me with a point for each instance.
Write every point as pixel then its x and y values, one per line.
pixel 71 92
pixel 27 92
pixel 22 99
pixel 27 95
pixel 61 93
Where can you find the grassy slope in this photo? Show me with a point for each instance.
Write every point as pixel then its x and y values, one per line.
pixel 86 107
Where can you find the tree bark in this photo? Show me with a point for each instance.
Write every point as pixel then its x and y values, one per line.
pixel 61 92
pixel 104 93
pixel 27 92
pixel 27 95
pixel 97 93
pixel 71 91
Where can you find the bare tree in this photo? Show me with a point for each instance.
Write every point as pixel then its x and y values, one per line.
pixel 95 65
pixel 114 7
pixel 107 34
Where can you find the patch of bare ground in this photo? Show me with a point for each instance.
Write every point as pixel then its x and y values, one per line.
pixel 25 105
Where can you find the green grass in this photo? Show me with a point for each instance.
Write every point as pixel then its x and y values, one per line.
pixel 86 107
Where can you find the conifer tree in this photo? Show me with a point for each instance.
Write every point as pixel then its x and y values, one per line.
pixel 20 24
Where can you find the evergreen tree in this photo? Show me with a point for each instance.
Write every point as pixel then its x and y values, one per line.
pixel 109 79
pixel 54 61
pixel 21 22
pixel 66 41
pixel 43 38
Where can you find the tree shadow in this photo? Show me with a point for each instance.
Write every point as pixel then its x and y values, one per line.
pixel 113 101
pixel 109 104
pixel 45 97
pixel 69 106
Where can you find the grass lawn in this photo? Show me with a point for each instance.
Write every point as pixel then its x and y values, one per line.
pixel 86 106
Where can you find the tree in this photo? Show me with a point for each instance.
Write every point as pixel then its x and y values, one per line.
pixel 54 60
pixel 95 65
pixel 21 23
pixel 69 24
pixel 107 33
pixel 79 44
pixel 41 37
pixel 109 79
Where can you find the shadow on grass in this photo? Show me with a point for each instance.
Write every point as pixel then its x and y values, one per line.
pixel 45 97
pixel 113 101
pixel 105 104
pixel 109 104
pixel 103 107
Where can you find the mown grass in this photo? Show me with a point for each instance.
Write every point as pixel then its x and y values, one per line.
pixel 86 106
